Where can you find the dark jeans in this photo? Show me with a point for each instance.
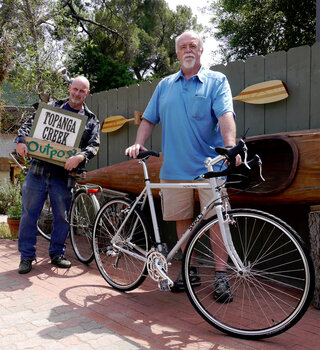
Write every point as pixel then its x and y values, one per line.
pixel 34 193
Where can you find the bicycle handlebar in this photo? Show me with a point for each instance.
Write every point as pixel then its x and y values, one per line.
pixel 147 154
pixel 229 153
pixel 232 169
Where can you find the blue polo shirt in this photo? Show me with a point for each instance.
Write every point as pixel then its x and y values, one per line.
pixel 188 111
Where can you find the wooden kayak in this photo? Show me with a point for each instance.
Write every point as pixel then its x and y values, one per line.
pixel 291 167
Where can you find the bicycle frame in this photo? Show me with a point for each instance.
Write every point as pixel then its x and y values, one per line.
pixel 217 202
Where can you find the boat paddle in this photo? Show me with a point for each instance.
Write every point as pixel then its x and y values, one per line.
pixel 114 123
pixel 266 92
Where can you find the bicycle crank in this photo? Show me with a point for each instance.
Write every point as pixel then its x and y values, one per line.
pixel 157 268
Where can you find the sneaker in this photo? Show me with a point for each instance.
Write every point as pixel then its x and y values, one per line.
pixel 178 285
pixel 61 261
pixel 25 266
pixel 222 290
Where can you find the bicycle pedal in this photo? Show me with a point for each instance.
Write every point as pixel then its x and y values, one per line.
pixel 164 285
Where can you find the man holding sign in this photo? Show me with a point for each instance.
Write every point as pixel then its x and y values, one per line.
pixel 47 178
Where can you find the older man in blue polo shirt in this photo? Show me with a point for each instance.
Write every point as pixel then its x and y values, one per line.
pixel 195 109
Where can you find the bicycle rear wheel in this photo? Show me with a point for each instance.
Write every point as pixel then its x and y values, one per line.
pixel 272 292
pixel 122 266
pixel 83 211
pixel 45 221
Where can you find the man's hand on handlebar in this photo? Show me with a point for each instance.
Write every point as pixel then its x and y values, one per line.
pixel 134 150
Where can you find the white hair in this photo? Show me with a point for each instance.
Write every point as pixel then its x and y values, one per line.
pixel 193 33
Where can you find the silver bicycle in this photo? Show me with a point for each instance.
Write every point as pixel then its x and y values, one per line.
pixel 269 268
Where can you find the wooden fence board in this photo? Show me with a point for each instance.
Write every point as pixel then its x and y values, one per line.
pixel 275 113
pixel 133 105
pixel 254 73
pixel 298 80
pixel 117 140
pixel 235 74
pixel 112 101
pixel 93 103
pixel 157 132
pixel 315 87
pixel 145 92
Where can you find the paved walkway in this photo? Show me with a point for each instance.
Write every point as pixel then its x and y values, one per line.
pixel 52 308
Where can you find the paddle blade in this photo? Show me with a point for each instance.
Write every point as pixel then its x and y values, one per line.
pixel 266 92
pixel 114 123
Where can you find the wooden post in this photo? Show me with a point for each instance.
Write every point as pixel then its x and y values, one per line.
pixel 314 230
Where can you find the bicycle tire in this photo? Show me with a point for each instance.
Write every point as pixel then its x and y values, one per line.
pixel 45 221
pixel 121 270
pixel 83 211
pixel 274 291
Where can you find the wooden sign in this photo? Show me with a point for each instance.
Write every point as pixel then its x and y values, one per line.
pixel 55 134
pixel 50 152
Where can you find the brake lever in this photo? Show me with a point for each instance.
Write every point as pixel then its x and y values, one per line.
pixel 245 161
pixel 22 167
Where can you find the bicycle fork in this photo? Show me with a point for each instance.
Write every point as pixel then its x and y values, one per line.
pixel 224 224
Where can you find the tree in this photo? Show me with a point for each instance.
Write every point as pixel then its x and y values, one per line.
pixel 32 28
pixel 259 27
pixel 134 39
pixel 138 35
pixel 103 72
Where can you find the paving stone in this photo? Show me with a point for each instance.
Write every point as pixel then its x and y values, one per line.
pixel 51 308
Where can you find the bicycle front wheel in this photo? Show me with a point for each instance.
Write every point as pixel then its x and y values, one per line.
pixel 121 262
pixel 82 215
pixel 45 221
pixel 273 289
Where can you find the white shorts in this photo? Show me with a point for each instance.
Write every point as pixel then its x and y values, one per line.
pixel 178 203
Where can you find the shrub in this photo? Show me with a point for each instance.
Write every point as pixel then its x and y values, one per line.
pixel 14 211
pixel 10 195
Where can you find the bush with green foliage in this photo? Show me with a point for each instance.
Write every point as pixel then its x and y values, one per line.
pixel 10 195
pixel 14 211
